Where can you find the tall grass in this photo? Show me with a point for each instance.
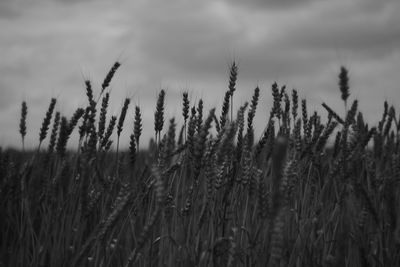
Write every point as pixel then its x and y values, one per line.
pixel 305 193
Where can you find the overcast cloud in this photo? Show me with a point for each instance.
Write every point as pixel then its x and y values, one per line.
pixel 48 48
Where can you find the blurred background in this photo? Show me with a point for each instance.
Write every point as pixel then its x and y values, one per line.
pixel 49 47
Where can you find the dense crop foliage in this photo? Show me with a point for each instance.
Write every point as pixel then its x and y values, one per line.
pixel 311 191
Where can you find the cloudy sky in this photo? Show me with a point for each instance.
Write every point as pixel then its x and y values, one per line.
pixel 48 48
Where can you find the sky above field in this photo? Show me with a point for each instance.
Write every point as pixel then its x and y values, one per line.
pixel 49 47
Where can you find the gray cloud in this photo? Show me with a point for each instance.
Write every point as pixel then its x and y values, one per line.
pixel 373 32
pixel 272 4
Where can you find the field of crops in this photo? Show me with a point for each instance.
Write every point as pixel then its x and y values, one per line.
pixel 312 190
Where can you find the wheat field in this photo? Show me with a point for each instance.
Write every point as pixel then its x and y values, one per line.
pixel 312 190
